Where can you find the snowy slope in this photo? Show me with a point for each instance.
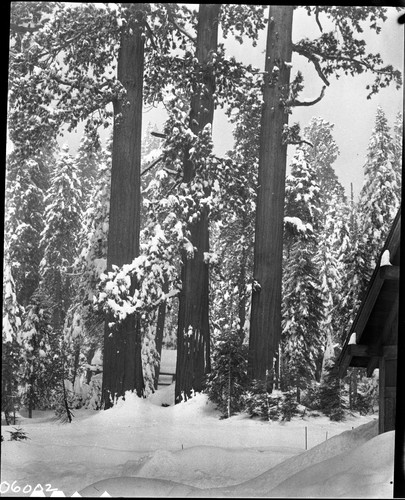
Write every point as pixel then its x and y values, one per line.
pixel 338 445
pixel 363 472
pixel 139 447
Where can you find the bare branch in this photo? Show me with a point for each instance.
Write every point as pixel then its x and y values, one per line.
pixel 317 18
pixel 354 61
pixel 302 141
pixel 149 167
pixel 158 134
pixel 182 30
pixel 314 60
pixel 170 17
pixel 295 102
pixel 151 36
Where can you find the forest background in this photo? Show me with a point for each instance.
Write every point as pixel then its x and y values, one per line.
pixel 57 203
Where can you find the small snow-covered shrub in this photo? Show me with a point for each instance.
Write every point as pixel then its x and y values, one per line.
pixel 331 396
pixel 264 405
pixel 93 396
pixel 228 379
pixel 367 396
pixel 18 434
pixel 289 406
pixel 310 397
pixel 259 401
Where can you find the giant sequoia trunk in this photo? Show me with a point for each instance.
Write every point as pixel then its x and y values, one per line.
pixel 122 366
pixel 193 346
pixel 265 321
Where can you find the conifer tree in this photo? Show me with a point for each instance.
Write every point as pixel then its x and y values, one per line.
pixel 228 379
pixel 59 236
pixel 302 339
pixel 40 369
pixel 336 52
pixel 83 331
pixel 331 397
pixel 27 181
pixel 397 146
pixel 380 195
pixel 322 154
pixel 88 158
pixel 10 352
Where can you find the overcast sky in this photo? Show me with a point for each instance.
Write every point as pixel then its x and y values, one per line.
pixel 345 104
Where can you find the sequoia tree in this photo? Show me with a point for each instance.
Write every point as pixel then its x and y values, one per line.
pixel 266 291
pixel 193 348
pixel 122 367
pixel 333 53
pixel 70 79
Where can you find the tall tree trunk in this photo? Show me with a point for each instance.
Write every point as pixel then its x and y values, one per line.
pixel 160 325
pixel 265 320
pixel 193 345
pixel 122 365
pixel 242 292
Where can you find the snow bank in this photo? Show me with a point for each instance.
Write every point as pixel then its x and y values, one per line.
pixel 208 466
pixel 136 487
pixel 366 471
pixel 338 446
pixel 140 448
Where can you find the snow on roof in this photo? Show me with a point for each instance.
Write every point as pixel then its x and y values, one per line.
pixel 385 259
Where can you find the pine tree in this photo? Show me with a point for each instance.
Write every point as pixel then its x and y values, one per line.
pixel 83 329
pixel 353 268
pixel 10 353
pixel 26 183
pixel 322 155
pixel 59 236
pixel 380 195
pixel 302 340
pixel 331 397
pixel 228 379
pixel 88 159
pixel 333 248
pixel 40 369
pixel 397 146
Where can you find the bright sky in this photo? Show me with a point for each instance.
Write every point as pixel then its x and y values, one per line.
pixel 345 104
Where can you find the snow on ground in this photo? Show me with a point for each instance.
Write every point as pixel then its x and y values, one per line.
pixel 141 448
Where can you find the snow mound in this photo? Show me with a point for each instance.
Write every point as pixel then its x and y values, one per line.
pixel 210 466
pixel 366 471
pixel 337 445
pixel 132 407
pixel 136 487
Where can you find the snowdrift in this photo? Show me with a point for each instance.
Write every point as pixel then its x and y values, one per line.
pixel 356 463
pixel 337 445
pixel 143 449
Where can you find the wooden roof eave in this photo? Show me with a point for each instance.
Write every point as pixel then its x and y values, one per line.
pixel 376 282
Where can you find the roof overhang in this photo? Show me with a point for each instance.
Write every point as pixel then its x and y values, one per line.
pixel 374 325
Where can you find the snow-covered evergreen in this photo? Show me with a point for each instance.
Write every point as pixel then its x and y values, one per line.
pixel 26 185
pixel 322 155
pixel 62 224
pixel 302 338
pixel 380 196
pixel 40 367
pixel 10 355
